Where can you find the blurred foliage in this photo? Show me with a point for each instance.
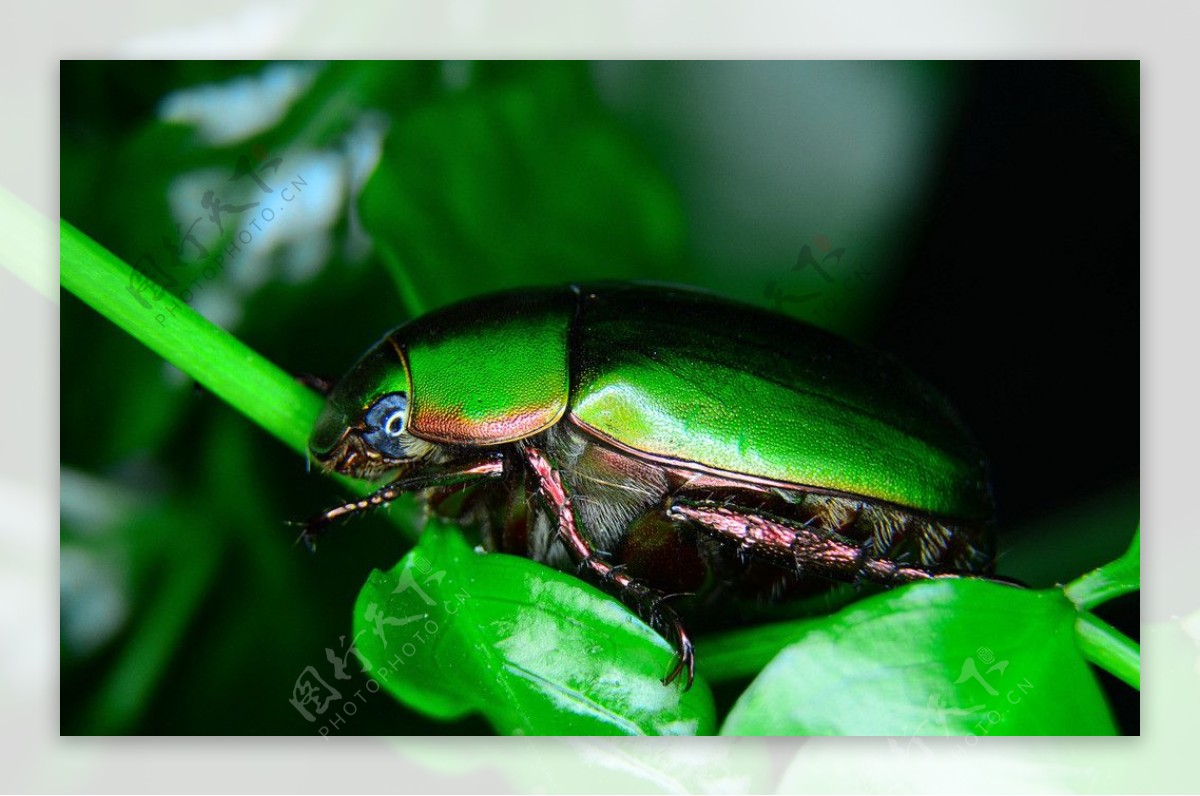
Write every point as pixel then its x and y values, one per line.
pixel 175 507
pixel 518 182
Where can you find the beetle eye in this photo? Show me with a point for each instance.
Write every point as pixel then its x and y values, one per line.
pixel 385 426
pixel 394 426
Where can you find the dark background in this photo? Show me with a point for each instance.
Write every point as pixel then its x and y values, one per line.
pixel 1022 297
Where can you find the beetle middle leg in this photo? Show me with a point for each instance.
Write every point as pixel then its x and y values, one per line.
pixel 648 601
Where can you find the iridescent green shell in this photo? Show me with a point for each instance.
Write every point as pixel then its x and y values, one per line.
pixel 680 377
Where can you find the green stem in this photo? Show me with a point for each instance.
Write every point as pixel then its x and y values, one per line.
pixel 216 359
pixel 220 362
pixel 741 654
pixel 1109 648
pixel 1100 642
pixel 1115 578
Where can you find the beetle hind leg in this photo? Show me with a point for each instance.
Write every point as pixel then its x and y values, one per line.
pixel 808 547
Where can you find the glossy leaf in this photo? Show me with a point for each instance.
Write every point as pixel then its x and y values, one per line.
pixel 937 658
pixel 450 631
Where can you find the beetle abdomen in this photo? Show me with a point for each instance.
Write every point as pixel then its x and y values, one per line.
pixel 625 507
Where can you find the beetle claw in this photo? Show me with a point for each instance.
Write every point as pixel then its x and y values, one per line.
pixel 307 536
pixel 667 623
pixel 685 657
pixel 309 540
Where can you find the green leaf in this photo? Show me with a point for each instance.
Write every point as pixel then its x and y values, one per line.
pixel 450 631
pixel 935 658
pixel 515 182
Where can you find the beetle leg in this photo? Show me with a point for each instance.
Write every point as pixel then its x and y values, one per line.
pixel 648 601
pixel 490 467
pixel 806 546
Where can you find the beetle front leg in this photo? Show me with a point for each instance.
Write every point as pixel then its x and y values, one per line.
pixel 489 467
pixel 648 601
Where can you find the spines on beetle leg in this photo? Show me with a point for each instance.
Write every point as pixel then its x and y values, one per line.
pixel 809 549
pixel 893 532
pixel 836 537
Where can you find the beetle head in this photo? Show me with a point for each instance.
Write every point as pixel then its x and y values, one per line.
pixel 363 430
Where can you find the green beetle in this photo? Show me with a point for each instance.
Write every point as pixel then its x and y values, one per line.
pixel 657 439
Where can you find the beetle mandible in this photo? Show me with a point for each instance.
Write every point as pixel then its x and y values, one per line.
pixel 631 433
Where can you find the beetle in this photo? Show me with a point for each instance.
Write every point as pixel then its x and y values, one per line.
pixel 655 438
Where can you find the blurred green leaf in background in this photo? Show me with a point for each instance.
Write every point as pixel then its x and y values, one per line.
pixel 308 208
